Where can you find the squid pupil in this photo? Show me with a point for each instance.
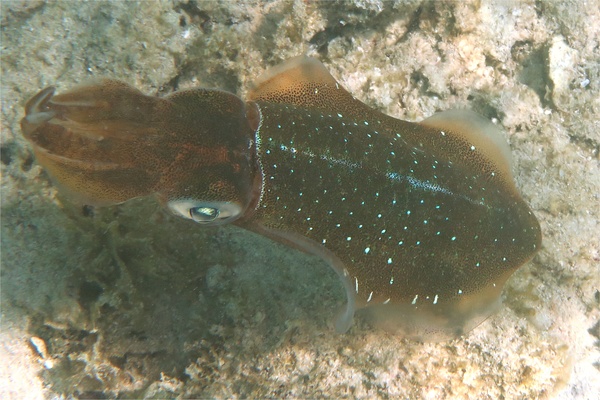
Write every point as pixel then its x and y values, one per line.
pixel 204 214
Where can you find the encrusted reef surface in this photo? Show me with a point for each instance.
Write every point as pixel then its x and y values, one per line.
pixel 131 302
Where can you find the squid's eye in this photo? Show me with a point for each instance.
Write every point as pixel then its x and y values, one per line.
pixel 206 213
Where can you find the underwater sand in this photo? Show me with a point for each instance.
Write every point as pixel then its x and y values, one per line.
pixel 129 301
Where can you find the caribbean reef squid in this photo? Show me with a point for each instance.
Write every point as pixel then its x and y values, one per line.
pixel 421 221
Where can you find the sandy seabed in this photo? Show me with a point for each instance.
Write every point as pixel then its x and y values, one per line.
pixel 131 302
